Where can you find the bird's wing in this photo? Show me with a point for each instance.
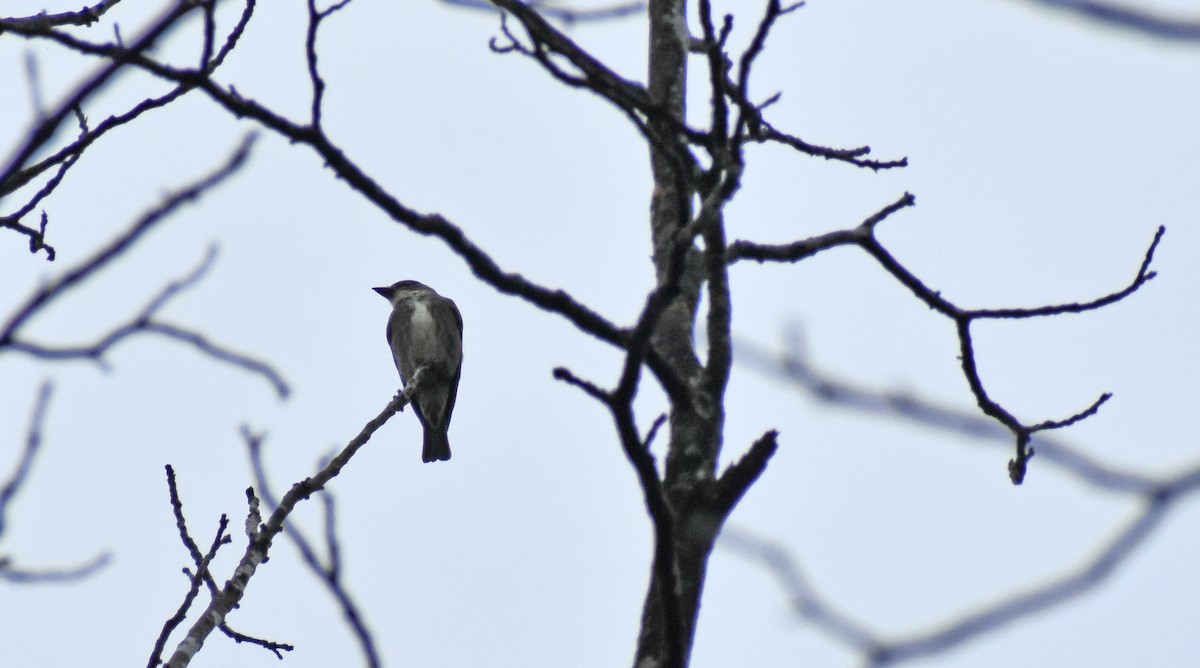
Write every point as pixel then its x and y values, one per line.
pixel 449 411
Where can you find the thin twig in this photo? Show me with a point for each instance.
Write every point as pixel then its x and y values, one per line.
pixel 329 574
pixel 9 571
pixel 262 536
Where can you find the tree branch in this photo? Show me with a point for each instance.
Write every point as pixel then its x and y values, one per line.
pixel 807 605
pixel 794 367
pixel 556 301
pixel 44 131
pixel 43 21
pixel 864 237
pixel 202 575
pixel 1146 22
pixel 567 15
pixel 47 294
pixel 262 535
pixel 8 491
pixel 329 574
pixel 737 479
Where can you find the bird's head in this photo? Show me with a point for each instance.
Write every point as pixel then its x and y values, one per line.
pixel 401 289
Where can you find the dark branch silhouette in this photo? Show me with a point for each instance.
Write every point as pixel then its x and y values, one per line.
pixel 1156 496
pixel 559 12
pixel 327 571
pixel 864 237
pixel 9 571
pixel 19 172
pixel 792 365
pixel 144 322
pixel 697 172
pixel 83 17
pixel 1127 16
pixel 262 535
pixel 975 620
pixel 201 576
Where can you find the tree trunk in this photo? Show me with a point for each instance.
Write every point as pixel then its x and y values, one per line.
pixel 695 429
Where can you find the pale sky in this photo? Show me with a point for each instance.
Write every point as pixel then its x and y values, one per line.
pixel 1044 154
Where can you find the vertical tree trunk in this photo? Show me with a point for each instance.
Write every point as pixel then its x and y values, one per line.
pixel 695 429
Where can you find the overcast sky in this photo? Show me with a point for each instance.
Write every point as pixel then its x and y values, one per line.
pixel 1045 152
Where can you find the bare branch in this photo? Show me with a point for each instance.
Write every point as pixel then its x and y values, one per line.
pixel 1144 275
pixel 329 574
pixel 17 174
pixel 46 295
pixel 718 68
pixel 69 153
pixel 59 574
pixel 864 237
pixel 1123 16
pixel 221 354
pixel 793 252
pixel 202 575
pixel 653 431
pixel 262 536
pixel 1057 592
pixel 662 516
pixel 801 595
pixel 794 367
pixel 83 17
pixel 234 36
pixel 852 156
pixel 746 62
pixel 45 130
pixel 315 18
pixel 665 567
pixel 13 220
pixel 567 15
pixel 144 323
pixel 181 524
pixel 800 250
pixel 591 389
pixel 481 263
pixel 33 440
pixel 737 479
pixel 638 346
pixel 654 121
pixel 600 79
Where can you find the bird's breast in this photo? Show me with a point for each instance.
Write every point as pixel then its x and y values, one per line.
pixel 422 329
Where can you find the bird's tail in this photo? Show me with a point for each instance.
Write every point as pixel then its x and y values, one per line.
pixel 437 445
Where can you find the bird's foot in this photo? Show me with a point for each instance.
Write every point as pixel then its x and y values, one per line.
pixel 411 388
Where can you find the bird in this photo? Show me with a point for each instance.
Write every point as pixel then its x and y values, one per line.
pixel 424 332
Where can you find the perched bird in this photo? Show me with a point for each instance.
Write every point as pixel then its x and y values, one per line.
pixel 425 334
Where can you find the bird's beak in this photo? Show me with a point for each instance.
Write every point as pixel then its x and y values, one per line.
pixel 383 292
